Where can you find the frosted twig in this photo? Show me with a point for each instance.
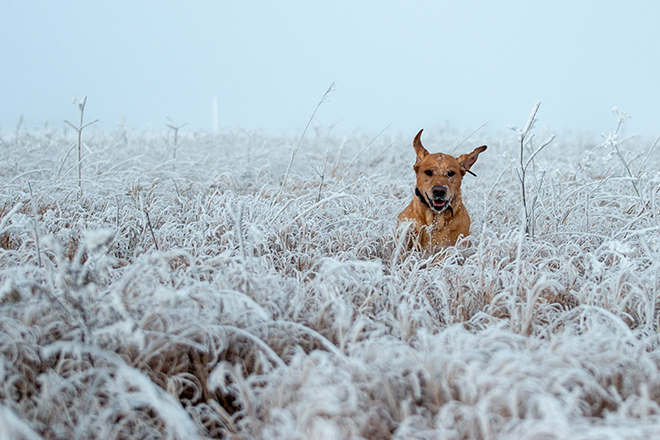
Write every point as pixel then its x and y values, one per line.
pixel 174 126
pixel 522 168
pixel 322 172
pixel 295 150
pixel 35 223
pixel 79 129
pixel 153 236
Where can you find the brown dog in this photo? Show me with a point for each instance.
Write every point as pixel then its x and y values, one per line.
pixel 437 213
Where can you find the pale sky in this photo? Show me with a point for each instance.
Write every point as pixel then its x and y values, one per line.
pixel 413 64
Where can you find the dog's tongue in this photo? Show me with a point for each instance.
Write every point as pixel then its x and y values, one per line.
pixel 439 203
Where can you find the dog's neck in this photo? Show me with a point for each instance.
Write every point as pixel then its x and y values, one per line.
pixel 422 199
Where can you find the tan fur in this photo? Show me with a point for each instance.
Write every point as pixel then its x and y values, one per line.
pixel 438 227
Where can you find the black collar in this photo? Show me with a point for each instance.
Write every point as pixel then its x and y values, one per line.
pixel 419 194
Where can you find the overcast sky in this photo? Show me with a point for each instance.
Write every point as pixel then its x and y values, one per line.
pixel 413 64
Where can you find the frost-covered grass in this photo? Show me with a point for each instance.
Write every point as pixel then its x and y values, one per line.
pixel 197 298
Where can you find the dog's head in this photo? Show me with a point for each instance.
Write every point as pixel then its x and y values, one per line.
pixel 439 175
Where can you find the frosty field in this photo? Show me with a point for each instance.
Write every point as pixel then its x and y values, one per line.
pixel 190 292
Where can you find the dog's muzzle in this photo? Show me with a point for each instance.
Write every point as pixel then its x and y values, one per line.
pixel 438 202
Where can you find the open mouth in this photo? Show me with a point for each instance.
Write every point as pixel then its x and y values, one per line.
pixel 438 205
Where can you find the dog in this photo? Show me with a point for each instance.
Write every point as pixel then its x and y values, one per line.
pixel 436 213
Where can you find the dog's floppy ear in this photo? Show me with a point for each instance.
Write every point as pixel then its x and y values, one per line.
pixel 467 160
pixel 420 150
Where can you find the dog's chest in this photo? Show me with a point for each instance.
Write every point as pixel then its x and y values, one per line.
pixel 437 221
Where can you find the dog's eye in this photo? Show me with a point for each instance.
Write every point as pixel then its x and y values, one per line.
pixel 428 172
pixel 450 173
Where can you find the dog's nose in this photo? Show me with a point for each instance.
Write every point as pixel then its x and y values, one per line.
pixel 439 192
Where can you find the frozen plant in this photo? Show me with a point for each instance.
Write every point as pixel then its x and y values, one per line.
pixel 526 142
pixel 79 128
pixel 175 127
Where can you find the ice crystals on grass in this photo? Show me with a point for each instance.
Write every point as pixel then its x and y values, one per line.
pixel 300 318
pixel 9 292
pixel 93 241
pixel 620 247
